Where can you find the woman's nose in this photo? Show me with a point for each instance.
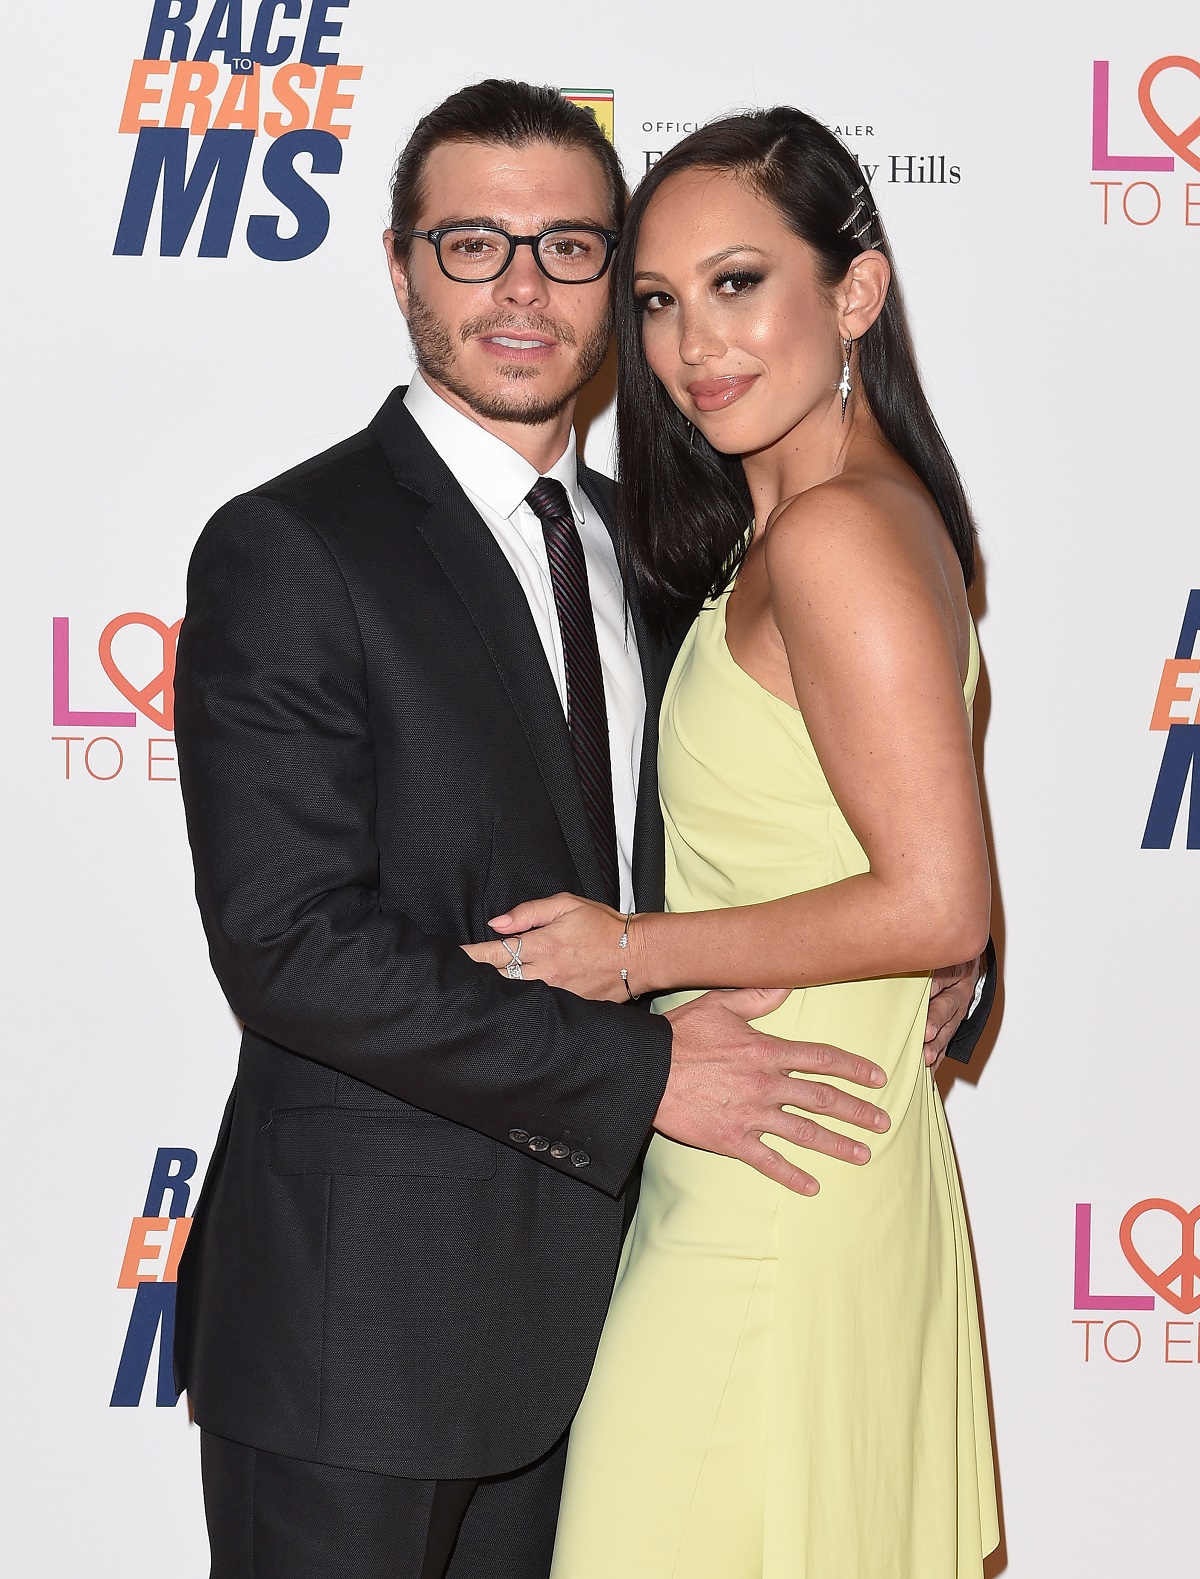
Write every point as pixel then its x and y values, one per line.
pixel 698 338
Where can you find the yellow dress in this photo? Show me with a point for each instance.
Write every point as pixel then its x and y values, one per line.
pixel 787 1387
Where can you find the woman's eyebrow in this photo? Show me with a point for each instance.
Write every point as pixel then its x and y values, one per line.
pixel 706 263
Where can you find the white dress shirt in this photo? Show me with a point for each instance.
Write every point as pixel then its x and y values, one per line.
pixel 496 479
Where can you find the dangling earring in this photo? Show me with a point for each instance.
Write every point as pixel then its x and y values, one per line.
pixel 692 436
pixel 845 388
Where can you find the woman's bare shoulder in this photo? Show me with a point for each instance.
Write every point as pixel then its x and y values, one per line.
pixel 867 552
pixel 867 524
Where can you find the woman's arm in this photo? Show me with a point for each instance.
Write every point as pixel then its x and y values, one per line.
pixel 867 620
pixel 872 653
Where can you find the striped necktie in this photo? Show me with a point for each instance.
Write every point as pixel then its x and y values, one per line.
pixel 587 717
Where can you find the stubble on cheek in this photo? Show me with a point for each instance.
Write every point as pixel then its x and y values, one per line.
pixel 431 339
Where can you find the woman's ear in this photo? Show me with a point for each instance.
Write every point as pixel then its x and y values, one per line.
pixel 862 293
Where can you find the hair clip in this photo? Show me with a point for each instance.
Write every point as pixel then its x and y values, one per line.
pixel 863 210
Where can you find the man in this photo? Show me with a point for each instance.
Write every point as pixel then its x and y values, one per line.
pixel 407 698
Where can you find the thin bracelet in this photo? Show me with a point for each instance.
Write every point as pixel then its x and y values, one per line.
pixel 624 944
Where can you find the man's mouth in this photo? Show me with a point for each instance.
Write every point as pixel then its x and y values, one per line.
pixel 515 344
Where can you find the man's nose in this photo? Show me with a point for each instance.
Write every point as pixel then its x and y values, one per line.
pixel 522 283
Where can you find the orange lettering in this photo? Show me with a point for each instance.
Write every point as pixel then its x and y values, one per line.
pixel 1170 1342
pixel 1190 203
pixel 284 84
pixel 138 1249
pixel 140 95
pixel 192 90
pixel 154 760
pixel 239 107
pixel 183 1227
pixel 1171 693
pixel 1106 185
pixel 329 100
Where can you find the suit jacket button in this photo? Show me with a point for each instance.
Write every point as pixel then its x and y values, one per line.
pixel 580 1159
pixel 519 1136
pixel 558 1151
pixel 538 1143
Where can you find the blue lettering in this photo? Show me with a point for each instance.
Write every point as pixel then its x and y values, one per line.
pixel 260 44
pixel 164 19
pixel 283 180
pixel 1181 756
pixel 153 1315
pixel 173 1167
pixel 1191 626
pixel 223 31
pixel 318 30
pixel 160 159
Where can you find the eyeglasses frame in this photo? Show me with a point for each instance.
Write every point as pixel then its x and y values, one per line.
pixel 434 237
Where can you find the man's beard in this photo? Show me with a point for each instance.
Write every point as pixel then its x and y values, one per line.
pixel 436 351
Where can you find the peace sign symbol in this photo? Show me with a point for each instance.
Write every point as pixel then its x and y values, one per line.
pixel 1186 1267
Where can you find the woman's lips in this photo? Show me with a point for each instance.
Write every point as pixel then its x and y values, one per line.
pixel 714 394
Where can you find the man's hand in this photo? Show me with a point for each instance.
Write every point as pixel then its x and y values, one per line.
pixel 729 1085
pixel 950 996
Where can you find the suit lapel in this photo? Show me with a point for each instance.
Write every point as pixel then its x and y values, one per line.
pixel 477 569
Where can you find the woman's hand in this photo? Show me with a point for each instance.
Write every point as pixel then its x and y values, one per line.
pixel 566 941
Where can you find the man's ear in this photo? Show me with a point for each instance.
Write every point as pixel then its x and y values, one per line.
pixel 862 293
pixel 398 269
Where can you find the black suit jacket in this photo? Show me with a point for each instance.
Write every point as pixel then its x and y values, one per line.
pixel 389 1268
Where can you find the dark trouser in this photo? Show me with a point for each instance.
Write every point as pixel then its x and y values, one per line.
pixel 283 1518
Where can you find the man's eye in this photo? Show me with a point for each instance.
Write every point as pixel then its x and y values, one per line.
pixel 470 246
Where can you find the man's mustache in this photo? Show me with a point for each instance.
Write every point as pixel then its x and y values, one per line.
pixel 562 332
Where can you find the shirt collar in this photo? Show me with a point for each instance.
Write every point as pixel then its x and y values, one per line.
pixel 483 464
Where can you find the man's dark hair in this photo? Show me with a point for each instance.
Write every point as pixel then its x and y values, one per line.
pixel 510 114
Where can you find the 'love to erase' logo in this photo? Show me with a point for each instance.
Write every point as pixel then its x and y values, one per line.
pixel 1167 99
pixel 134 664
pixel 1156 1238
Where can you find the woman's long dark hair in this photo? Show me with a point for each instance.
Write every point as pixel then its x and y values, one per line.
pixel 684 509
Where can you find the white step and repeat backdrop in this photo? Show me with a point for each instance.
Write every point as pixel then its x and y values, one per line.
pixel 197 299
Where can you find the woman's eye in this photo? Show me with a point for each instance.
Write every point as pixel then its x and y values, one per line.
pixel 653 302
pixel 736 284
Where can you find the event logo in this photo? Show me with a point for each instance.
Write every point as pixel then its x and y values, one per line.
pixel 150 1266
pixel 598 102
pixel 1157 1240
pixel 1177 713
pixel 223 83
pixel 136 654
pixel 1168 99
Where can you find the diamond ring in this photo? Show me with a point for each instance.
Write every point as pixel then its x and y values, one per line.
pixel 513 969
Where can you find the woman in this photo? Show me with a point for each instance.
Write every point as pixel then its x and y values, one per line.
pixel 789 1387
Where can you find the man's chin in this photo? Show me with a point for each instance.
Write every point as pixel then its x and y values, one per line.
pixel 517 398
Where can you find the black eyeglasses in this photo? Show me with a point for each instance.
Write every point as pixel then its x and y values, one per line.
pixel 475 254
